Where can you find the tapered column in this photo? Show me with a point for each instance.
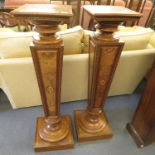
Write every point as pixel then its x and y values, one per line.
pixel 104 53
pixel 142 126
pixel 53 131
pixel 47 53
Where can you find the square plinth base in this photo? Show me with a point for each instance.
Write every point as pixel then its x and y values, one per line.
pixel 41 145
pixel 83 136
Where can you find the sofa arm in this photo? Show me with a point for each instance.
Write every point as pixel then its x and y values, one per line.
pixel 19 82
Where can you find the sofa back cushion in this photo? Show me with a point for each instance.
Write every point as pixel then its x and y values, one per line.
pixel 72 39
pixel 152 40
pixel 85 40
pixel 129 28
pixel 15 44
pixel 6 30
pixel 136 39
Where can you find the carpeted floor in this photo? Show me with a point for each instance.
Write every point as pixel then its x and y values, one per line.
pixel 17 129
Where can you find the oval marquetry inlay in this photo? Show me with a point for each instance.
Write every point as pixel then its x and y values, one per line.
pixel 102 82
pixel 50 89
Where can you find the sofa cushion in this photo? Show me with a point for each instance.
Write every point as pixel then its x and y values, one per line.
pixel 129 28
pixel 85 40
pixel 15 44
pixel 152 40
pixel 135 39
pixel 72 40
pixel 6 30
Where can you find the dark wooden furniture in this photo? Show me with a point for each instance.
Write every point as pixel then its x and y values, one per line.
pixel 104 53
pixel 52 131
pixel 151 19
pixel 146 7
pixel 9 5
pixel 142 126
pixel 8 20
pixel 136 5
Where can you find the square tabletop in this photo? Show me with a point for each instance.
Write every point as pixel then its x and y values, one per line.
pixel 43 10
pixel 108 12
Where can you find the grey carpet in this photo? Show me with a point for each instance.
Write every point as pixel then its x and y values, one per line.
pixel 17 129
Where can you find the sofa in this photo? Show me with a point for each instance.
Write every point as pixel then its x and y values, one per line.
pixel 17 74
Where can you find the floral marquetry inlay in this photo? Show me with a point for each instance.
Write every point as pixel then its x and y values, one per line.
pixel 106 59
pixel 48 68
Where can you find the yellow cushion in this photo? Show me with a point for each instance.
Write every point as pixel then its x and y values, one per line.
pixel 6 30
pixel 135 40
pixel 15 44
pixel 72 40
pixel 85 40
pixel 63 27
pixel 129 28
pixel 152 40
pixel 135 37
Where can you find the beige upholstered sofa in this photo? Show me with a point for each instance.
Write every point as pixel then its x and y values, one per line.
pixel 18 79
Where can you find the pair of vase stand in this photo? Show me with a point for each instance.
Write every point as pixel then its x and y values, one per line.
pixel 54 131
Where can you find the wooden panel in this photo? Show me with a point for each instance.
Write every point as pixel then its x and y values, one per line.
pixel 142 126
pixel 92 51
pixel 106 60
pixel 48 70
pixel 43 10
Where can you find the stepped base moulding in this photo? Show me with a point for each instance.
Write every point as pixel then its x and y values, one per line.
pixel 66 143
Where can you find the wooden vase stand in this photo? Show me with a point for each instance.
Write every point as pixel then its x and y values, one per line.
pixel 104 53
pixel 53 132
